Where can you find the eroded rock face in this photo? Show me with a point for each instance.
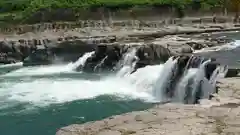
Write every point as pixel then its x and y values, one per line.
pixel 70 48
pixel 107 56
pixel 39 56
pixel 11 53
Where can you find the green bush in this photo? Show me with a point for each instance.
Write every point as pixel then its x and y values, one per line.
pixel 28 7
pixel 33 5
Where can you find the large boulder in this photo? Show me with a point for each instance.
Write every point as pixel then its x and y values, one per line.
pixel 70 50
pixel 232 72
pixel 151 54
pixel 106 57
pixel 39 56
pixel 186 49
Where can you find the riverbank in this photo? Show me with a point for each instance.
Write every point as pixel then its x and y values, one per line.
pixel 218 116
pixel 188 37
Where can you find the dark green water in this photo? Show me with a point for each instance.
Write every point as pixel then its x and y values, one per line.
pixel 46 120
pixel 38 103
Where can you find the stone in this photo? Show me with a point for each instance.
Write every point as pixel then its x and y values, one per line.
pixel 186 49
pixel 232 72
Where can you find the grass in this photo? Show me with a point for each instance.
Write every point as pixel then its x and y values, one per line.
pixel 19 10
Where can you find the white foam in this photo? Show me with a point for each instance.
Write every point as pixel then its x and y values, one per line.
pixel 164 78
pixel 48 91
pixel 183 83
pixel 18 64
pixel 50 69
pixel 228 46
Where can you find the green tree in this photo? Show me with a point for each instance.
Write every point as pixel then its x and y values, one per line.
pixel 235 6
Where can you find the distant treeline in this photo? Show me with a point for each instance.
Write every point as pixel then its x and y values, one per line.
pixel 33 5
pixel 21 11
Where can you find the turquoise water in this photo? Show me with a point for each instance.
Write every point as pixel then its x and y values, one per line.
pixel 40 100
pixel 46 120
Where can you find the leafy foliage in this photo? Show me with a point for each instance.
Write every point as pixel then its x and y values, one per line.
pixel 33 5
pixel 28 7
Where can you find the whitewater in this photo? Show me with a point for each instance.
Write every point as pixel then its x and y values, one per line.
pixel 34 85
pixel 56 84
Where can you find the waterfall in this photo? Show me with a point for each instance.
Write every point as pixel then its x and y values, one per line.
pixel 198 81
pixel 81 61
pixel 128 63
pixel 194 83
pixel 18 64
pixel 51 69
pixel 100 63
pixel 164 80
pixel 214 76
pixel 180 79
pixel 191 85
pixel 223 71
pixel 184 86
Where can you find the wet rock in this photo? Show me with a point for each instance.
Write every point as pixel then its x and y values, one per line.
pixel 5 47
pixel 11 52
pixel 70 50
pixel 107 56
pixel 40 56
pixel 209 68
pixel 186 49
pixel 195 45
pixel 232 72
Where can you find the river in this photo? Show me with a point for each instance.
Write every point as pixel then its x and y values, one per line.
pixel 41 99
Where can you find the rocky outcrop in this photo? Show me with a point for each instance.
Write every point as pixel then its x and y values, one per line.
pixel 98 21
pixel 107 56
pixel 70 48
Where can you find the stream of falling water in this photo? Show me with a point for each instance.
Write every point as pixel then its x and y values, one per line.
pixel 57 87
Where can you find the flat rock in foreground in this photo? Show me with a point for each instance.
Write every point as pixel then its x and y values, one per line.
pixel 220 116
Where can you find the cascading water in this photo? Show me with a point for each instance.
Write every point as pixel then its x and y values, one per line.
pixel 194 84
pixel 80 62
pixel 183 88
pixel 128 63
pixel 10 67
pixel 68 89
pixel 19 64
pixel 164 79
pixel 30 91
pixel 214 76
pixel 51 69
pixel 151 82
pixel 198 79
pixel 100 63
